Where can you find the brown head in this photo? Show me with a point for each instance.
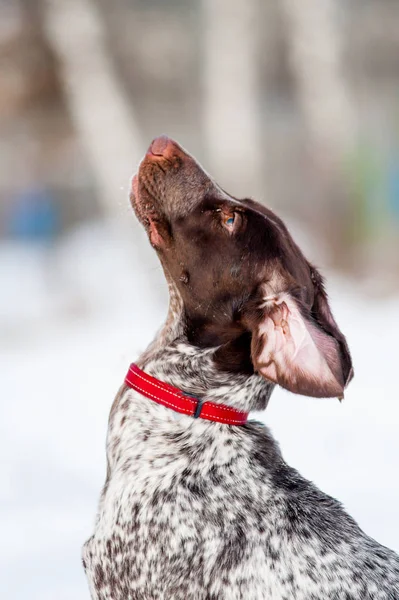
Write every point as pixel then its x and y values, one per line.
pixel 245 286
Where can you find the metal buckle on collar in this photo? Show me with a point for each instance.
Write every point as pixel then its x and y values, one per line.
pixel 198 408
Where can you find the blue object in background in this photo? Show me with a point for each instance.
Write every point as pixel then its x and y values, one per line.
pixel 34 216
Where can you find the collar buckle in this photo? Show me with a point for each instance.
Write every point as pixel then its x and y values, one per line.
pixel 198 408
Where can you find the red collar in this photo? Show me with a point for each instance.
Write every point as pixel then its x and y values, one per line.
pixel 173 398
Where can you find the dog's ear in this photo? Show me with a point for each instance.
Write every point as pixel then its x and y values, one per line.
pixel 323 316
pixel 300 349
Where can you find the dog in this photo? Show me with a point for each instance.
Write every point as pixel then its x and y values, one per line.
pixel 198 502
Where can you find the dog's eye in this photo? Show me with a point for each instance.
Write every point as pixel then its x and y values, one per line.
pixel 232 221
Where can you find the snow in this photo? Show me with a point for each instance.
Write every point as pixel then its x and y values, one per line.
pixel 72 318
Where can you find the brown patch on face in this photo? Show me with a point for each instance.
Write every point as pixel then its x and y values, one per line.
pixel 220 254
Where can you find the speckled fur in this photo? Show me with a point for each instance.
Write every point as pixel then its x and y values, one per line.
pixel 198 510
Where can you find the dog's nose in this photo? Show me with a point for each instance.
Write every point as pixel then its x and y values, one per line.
pixel 161 146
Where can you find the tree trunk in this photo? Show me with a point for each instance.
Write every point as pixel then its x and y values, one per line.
pixel 230 84
pixel 316 59
pixel 100 110
pixel 329 115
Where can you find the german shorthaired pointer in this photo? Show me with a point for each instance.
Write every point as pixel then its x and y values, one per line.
pixel 206 508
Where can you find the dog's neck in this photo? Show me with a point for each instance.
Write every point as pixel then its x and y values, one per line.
pixel 174 360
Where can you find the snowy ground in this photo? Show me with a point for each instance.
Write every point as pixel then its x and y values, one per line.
pixel 70 324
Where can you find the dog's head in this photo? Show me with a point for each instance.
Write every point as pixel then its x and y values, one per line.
pixel 245 286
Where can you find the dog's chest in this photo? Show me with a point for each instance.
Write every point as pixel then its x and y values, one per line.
pixel 188 513
pixel 173 513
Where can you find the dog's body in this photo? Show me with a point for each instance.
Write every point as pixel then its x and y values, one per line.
pixel 199 510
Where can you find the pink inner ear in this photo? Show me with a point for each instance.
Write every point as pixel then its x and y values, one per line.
pixel 296 354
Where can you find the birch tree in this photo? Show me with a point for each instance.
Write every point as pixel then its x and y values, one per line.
pixel 102 115
pixel 316 56
pixel 230 93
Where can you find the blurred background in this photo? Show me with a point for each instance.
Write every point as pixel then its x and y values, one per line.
pixel 295 104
